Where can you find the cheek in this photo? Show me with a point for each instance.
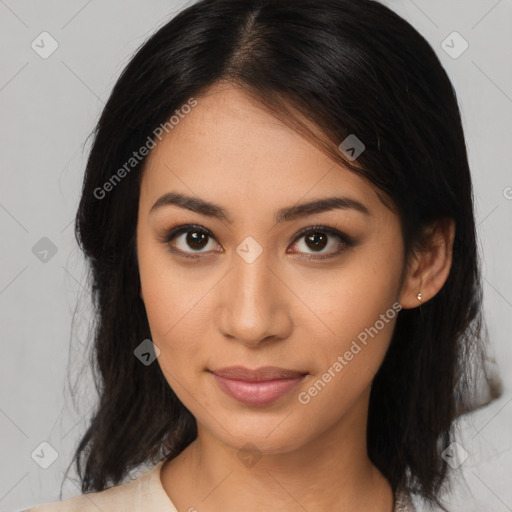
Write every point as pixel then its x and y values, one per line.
pixel 173 322
pixel 170 299
pixel 355 313
pixel 352 297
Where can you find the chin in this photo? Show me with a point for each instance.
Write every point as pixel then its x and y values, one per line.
pixel 269 437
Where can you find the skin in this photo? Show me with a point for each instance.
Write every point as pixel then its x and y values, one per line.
pixel 282 309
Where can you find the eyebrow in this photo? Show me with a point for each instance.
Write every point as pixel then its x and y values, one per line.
pixel 289 213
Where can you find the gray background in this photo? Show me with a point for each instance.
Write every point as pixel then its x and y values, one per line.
pixel 49 107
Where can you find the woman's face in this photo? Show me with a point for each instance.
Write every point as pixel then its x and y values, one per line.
pixel 246 288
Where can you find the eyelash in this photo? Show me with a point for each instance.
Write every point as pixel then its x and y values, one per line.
pixel 345 240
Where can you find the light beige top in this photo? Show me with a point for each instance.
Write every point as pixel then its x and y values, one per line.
pixel 143 494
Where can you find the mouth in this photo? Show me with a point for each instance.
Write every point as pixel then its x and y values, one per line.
pixel 261 386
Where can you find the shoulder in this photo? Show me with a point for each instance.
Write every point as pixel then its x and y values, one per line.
pixel 406 502
pixel 403 502
pixel 143 493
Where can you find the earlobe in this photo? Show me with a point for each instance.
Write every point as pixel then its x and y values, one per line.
pixel 430 266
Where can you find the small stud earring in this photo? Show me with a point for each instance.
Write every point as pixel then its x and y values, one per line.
pixel 419 296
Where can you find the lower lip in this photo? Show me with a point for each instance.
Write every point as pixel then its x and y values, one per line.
pixel 257 393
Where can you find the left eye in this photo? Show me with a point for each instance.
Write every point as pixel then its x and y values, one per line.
pixel 318 238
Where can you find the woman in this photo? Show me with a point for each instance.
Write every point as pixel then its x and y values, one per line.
pixel 277 211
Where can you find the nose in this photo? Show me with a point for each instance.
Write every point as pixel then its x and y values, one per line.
pixel 254 303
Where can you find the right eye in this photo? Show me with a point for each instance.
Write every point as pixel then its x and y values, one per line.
pixel 181 239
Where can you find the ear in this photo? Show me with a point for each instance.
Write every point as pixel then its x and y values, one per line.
pixel 430 264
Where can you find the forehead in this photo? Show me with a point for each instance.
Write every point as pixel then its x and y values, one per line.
pixel 230 147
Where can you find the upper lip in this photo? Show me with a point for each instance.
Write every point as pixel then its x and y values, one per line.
pixel 264 373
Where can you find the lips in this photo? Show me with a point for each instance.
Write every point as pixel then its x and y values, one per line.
pixel 261 386
pixel 262 374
